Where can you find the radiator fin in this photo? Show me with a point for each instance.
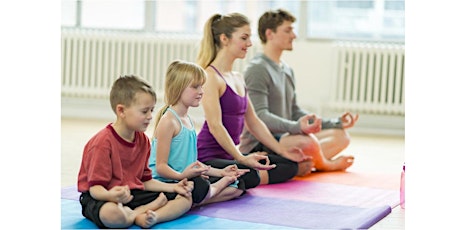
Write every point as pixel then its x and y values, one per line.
pixel 92 60
pixel 369 78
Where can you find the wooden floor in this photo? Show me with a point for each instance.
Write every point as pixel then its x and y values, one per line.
pixel 372 154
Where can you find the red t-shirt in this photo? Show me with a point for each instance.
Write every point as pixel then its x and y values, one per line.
pixel 110 161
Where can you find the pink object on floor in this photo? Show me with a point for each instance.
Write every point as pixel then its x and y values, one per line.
pixel 402 197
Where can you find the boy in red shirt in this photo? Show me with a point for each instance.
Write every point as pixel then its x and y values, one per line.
pixel 115 181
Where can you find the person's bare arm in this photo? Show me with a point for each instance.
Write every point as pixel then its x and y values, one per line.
pixel 260 131
pixel 183 187
pixel 166 129
pixel 120 194
pixel 213 90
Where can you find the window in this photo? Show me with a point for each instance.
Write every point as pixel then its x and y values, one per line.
pixel 115 14
pixel 361 20
pixel 68 13
pixel 323 19
pixel 191 15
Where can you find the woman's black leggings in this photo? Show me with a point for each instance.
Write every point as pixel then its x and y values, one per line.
pixel 285 170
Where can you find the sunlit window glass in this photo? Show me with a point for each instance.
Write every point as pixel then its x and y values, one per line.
pixel 68 13
pixel 175 16
pixel 361 20
pixel 113 14
pixel 190 15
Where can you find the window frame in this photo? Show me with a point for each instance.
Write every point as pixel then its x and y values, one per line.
pixel 301 25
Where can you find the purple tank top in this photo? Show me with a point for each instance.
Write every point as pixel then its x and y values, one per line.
pixel 233 108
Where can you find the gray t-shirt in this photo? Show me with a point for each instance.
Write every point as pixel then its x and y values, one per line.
pixel 271 88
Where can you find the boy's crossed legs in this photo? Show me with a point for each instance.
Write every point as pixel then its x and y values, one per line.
pixel 115 215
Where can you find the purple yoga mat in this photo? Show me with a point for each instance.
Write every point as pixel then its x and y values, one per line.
pixel 328 193
pixel 294 213
pixel 70 193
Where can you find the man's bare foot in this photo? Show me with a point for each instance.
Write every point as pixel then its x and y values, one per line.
pixel 147 219
pixel 343 162
pixel 305 168
pixel 340 163
pixel 159 202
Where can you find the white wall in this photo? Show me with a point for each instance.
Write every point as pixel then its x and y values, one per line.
pixel 312 62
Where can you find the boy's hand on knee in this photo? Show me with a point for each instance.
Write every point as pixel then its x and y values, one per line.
pixel 122 194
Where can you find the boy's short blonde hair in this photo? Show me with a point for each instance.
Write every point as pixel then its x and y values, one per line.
pixel 124 90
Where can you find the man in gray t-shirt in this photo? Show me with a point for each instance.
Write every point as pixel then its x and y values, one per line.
pixel 271 87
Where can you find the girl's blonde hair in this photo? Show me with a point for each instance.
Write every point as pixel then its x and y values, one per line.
pixel 215 26
pixel 179 75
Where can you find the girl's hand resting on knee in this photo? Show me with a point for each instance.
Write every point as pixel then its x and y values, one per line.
pixel 195 169
pixel 184 187
pixel 233 170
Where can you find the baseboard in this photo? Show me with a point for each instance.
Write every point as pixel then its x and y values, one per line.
pixel 83 108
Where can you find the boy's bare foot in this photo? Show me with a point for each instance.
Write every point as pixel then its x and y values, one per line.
pixel 147 219
pixel 150 219
pixel 159 202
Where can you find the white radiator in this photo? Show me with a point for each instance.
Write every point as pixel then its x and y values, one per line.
pixel 369 78
pixel 92 60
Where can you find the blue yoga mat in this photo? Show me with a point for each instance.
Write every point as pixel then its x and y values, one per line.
pixel 303 204
pixel 71 218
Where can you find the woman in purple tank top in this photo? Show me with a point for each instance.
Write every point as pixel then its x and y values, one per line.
pixel 228 109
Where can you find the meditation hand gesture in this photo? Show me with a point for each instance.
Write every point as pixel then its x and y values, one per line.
pixel 233 170
pixel 184 187
pixel 122 194
pixel 348 120
pixel 310 124
pixel 252 160
pixel 195 169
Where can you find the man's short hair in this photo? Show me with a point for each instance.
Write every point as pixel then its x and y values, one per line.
pixel 271 20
